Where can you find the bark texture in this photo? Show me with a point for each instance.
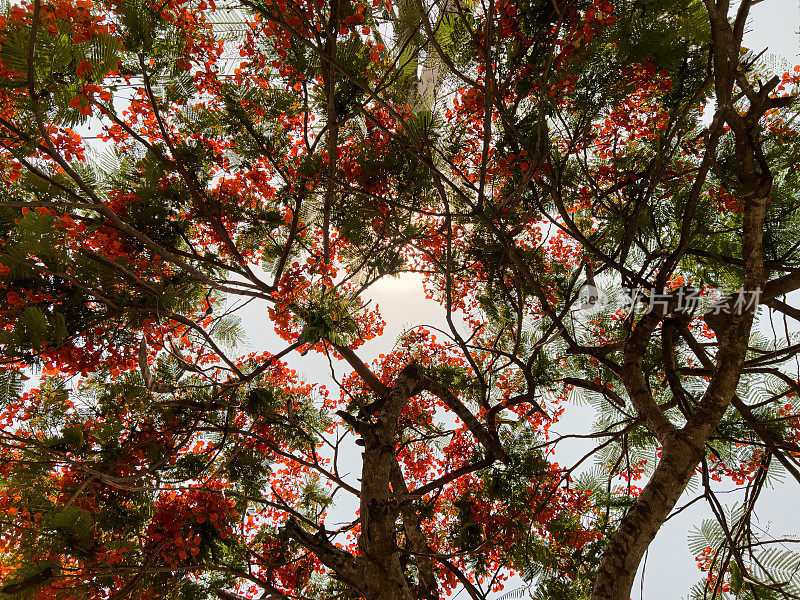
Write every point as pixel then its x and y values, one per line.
pixel 684 448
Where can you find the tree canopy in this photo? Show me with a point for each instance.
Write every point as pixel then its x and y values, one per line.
pixel 601 196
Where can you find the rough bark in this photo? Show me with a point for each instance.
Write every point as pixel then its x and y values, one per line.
pixel 386 503
pixel 683 449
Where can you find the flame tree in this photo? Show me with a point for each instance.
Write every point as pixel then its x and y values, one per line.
pixel 165 162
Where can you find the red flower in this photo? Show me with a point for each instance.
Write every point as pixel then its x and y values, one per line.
pixel 84 69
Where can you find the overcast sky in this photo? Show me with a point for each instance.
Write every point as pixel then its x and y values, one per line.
pixel 774 25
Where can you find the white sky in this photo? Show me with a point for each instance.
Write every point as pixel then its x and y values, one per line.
pixel 774 24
